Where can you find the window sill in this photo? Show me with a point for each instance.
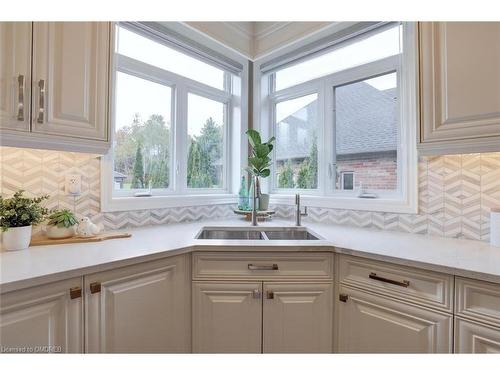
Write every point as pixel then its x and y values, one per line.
pixel 155 202
pixel 395 205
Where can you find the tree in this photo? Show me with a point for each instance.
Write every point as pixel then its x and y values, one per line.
pixel 285 179
pixel 138 177
pixel 303 175
pixel 313 165
pixel 204 157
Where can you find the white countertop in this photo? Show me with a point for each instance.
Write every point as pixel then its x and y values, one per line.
pixel 43 264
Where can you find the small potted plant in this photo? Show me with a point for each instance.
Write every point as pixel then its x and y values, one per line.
pixel 62 224
pixel 259 163
pixel 17 216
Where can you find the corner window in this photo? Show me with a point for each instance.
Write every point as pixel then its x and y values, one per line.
pixel 345 121
pixel 170 120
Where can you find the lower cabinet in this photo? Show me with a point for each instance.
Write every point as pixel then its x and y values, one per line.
pixel 227 317
pixel 371 323
pixel 255 317
pixel 298 318
pixel 142 308
pixel 43 319
pixel 473 337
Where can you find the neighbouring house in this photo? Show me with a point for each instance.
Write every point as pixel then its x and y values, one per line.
pixel 119 178
pixel 366 137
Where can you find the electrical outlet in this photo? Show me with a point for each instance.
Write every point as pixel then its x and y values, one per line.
pixel 73 184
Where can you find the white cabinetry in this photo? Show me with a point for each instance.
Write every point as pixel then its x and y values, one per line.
pixel 460 87
pixel 142 308
pixel 370 323
pixel 15 75
pixel 273 313
pixel 477 319
pixel 384 308
pixel 66 99
pixel 47 318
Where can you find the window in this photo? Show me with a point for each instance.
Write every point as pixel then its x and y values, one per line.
pixel 171 125
pixel 345 120
pixel 296 155
pixel 346 180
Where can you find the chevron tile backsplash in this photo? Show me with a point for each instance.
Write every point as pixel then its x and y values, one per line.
pixel 455 195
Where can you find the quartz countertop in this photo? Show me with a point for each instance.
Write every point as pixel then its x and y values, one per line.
pixel 43 264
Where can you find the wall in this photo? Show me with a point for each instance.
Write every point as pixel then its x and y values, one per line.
pixel 41 172
pixel 456 193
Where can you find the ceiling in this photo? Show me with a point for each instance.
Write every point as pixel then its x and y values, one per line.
pixel 255 40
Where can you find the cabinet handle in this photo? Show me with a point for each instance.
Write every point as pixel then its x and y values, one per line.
pixel 256 294
pixel 343 297
pixel 404 283
pixel 41 101
pixel 253 267
pixel 20 98
pixel 95 287
pixel 270 294
pixel 75 292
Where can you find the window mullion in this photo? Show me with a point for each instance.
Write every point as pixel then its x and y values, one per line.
pixel 181 140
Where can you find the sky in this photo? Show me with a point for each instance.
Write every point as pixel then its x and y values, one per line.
pixel 136 95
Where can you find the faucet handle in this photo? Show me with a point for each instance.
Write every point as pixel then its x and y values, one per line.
pixel 305 212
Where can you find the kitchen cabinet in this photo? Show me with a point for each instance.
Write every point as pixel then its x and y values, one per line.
pixel 142 308
pixel 65 103
pixel 477 316
pixel 43 319
pixel 227 317
pixel 371 323
pixel 286 307
pixel 15 75
pixel 297 318
pixel 460 87
pixel 473 337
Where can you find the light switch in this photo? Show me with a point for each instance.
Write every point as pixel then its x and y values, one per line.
pixel 73 184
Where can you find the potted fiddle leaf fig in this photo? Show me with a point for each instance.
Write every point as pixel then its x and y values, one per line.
pixel 259 163
pixel 62 224
pixel 17 216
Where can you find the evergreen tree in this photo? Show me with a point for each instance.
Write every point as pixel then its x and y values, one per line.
pixel 303 175
pixel 285 179
pixel 138 176
pixel 313 165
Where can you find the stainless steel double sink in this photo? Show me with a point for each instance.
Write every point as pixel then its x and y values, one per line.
pixel 257 233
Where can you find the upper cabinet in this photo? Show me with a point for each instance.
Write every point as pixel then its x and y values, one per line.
pixel 460 87
pixel 64 105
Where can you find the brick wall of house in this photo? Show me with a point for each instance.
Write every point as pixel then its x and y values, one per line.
pixel 373 171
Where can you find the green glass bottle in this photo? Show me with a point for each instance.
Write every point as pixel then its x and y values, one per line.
pixel 243 195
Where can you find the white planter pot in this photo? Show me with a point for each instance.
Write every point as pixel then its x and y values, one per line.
pixel 55 232
pixel 16 238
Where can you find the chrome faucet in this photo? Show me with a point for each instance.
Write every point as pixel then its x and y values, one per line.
pixel 298 213
pixel 254 201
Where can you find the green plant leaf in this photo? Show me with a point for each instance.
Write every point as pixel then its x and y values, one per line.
pixel 265 173
pixel 253 137
pixel 262 150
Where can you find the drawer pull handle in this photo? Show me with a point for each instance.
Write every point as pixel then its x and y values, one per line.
pixel 404 283
pixel 41 101
pixel 95 287
pixel 254 267
pixel 270 294
pixel 343 297
pixel 256 294
pixel 20 98
pixel 75 292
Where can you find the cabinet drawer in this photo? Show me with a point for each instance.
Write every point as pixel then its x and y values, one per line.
pixel 478 300
pixel 414 285
pixel 268 266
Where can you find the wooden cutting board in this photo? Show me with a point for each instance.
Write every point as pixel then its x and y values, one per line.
pixel 41 239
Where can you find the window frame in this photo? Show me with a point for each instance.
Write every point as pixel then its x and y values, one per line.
pixel 178 194
pixel 405 199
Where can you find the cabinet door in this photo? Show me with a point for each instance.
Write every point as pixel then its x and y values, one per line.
pixel 227 317
pixel 15 75
pixel 476 338
pixel 460 85
pixel 48 318
pixel 370 323
pixel 70 79
pixel 298 318
pixel 140 309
